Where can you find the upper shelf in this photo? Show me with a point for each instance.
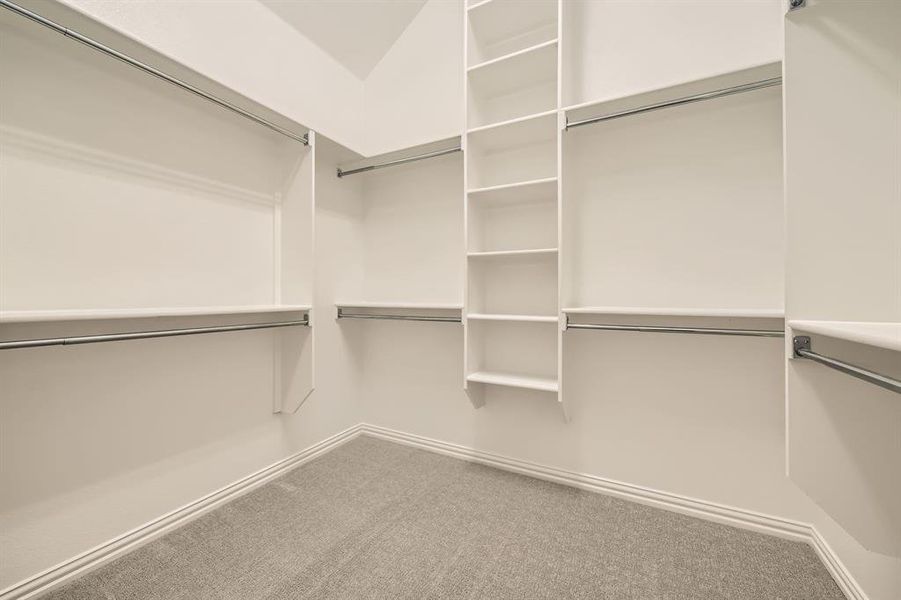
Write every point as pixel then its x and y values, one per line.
pixel 525 60
pixel 516 73
pixel 499 27
pixel 879 335
pixel 748 313
pixel 44 316
pixel 647 98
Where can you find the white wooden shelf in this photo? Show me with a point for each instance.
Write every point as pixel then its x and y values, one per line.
pixel 510 122
pixel 524 55
pixel 743 313
pixel 514 318
pixel 530 129
pixel 528 75
pixel 876 334
pixel 400 305
pixel 513 253
pixel 517 381
pixel 519 192
pixel 615 104
pixel 496 25
pixel 41 316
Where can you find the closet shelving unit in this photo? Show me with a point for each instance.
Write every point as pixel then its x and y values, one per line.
pixel 512 198
pixel 413 272
pixel 648 228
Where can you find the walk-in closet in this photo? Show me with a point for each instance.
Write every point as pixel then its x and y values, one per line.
pixel 421 299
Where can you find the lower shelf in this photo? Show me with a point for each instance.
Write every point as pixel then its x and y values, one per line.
pixel 512 317
pixel 517 381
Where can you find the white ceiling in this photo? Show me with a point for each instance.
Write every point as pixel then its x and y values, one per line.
pixel 357 33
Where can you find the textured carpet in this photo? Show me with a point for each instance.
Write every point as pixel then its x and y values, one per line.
pixel 372 519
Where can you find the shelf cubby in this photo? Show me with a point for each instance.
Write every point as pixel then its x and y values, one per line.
pixel 506 346
pixel 519 151
pixel 526 284
pixel 502 27
pixel 496 226
pixel 513 86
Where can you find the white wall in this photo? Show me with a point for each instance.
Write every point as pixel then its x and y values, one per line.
pixel 245 47
pixel 415 94
pixel 614 48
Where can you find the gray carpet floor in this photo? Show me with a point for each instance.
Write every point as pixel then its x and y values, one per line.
pixel 373 519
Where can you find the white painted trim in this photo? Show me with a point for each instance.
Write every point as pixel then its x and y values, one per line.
pixel 843 578
pixel 710 511
pixel 104 553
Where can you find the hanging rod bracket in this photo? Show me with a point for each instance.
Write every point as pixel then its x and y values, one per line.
pixel 800 343
pixel 802 349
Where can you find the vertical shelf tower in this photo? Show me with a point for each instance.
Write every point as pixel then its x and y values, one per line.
pixel 512 143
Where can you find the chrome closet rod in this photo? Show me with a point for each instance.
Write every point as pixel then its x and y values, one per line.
pixel 668 329
pixel 140 335
pixel 400 161
pixel 738 89
pixel 24 12
pixel 801 345
pixel 436 319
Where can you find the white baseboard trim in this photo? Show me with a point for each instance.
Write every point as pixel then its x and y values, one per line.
pixel 710 511
pixel 102 554
pixel 843 578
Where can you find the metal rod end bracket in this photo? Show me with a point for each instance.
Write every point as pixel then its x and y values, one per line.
pixel 799 343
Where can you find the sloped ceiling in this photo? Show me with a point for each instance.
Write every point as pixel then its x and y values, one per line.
pixel 357 33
